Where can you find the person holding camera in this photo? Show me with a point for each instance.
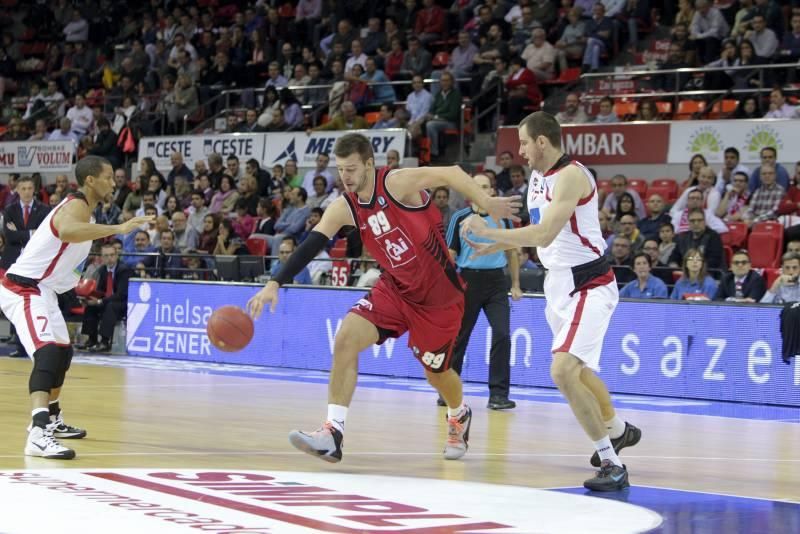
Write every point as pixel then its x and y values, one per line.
pixel 786 287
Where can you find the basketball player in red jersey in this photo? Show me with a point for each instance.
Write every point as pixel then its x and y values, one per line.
pixel 51 264
pixel 580 287
pixel 419 290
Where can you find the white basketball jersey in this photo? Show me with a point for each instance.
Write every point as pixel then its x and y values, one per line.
pixel 580 240
pixel 48 260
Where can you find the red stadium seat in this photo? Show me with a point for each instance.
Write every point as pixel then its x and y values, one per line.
pixel 688 109
pixel 639 185
pixel 372 117
pixel 765 244
pixel 664 109
pixel 666 187
pixel 441 59
pixel 736 236
pixel 257 246
pixel 625 109
pixel 567 76
pixel 723 108
pixel 339 249
pixel 770 274
pixel 728 254
pixel 604 185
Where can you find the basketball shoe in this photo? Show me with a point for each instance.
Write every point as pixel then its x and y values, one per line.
pixel 629 438
pixel 324 443
pixel 42 443
pixel 457 435
pixel 61 430
pixel 610 478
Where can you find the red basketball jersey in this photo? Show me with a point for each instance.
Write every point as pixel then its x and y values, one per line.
pixel 408 243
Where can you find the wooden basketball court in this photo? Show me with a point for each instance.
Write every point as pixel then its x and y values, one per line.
pixel 172 419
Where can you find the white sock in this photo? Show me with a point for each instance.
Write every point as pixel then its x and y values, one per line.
pixel 456 412
pixel 38 410
pixel 337 415
pixel 606 451
pixel 616 427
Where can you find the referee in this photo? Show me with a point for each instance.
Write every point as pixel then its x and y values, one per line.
pixel 487 290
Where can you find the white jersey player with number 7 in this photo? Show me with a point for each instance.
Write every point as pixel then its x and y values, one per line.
pixel 580 287
pixel 51 264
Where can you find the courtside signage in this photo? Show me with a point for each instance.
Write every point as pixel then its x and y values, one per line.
pixel 268 148
pixel 700 351
pixel 36 156
pixel 255 502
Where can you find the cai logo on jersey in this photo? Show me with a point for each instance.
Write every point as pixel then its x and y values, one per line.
pixel 397 246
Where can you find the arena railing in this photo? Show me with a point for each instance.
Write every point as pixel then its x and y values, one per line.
pixel 224 104
pixel 678 73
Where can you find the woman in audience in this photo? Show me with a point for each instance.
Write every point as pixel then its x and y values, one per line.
pixel 748 79
pixel 208 237
pixel 157 185
pixel 225 199
pixel 270 116
pixel 646 286
pixel 267 215
pixel 228 244
pixel 748 108
pixel 290 116
pixel 697 162
pixel 244 223
pixel 171 206
pixel 647 111
pixel 694 283
pixel 625 206
pixel 605 224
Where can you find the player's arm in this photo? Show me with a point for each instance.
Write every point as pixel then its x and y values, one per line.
pixel 405 185
pixel 513 270
pixel 572 186
pixel 72 224
pixel 337 215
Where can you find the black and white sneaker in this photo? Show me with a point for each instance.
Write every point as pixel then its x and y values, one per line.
pixel 629 438
pixel 43 444
pixel 62 430
pixel 610 478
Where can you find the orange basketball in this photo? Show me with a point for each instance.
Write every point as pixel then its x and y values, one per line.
pixel 230 329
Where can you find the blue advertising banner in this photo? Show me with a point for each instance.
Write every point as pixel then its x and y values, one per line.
pixel 691 350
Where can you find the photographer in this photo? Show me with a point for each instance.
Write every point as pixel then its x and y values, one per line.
pixel 785 288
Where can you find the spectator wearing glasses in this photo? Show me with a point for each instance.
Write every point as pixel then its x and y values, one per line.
pixel 621 261
pixel 646 286
pixel 700 238
pixel 734 201
pixel 694 201
pixel 786 287
pixel 742 284
pixel 695 283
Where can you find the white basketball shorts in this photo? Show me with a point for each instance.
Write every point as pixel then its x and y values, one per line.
pixel 579 319
pixel 35 315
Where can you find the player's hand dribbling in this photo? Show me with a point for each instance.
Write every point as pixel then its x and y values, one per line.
pixel 504 207
pixel 135 223
pixel 267 295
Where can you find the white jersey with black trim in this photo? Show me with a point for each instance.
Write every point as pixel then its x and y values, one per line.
pixel 580 240
pixel 50 261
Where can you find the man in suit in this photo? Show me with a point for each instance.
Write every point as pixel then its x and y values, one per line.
pixel 103 312
pixel 21 219
pixel 742 284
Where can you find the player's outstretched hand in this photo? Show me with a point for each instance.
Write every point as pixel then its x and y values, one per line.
pixel 267 295
pixel 504 207
pixel 135 223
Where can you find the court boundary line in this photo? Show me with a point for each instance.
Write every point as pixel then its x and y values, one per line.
pixel 786 501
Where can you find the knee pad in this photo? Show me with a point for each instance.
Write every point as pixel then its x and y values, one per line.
pixel 67 357
pixel 48 365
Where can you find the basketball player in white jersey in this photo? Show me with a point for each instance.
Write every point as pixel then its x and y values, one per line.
pixel 51 264
pixel 580 287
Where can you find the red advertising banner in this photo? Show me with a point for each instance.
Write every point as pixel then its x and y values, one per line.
pixel 602 144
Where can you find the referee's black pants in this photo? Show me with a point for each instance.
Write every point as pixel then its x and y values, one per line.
pixel 487 290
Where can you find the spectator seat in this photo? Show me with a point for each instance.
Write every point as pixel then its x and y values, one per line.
pixel 666 187
pixel 770 274
pixel 639 185
pixel 257 246
pixel 736 236
pixel 723 108
pixel 765 244
pixel 441 59
pixel 688 109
